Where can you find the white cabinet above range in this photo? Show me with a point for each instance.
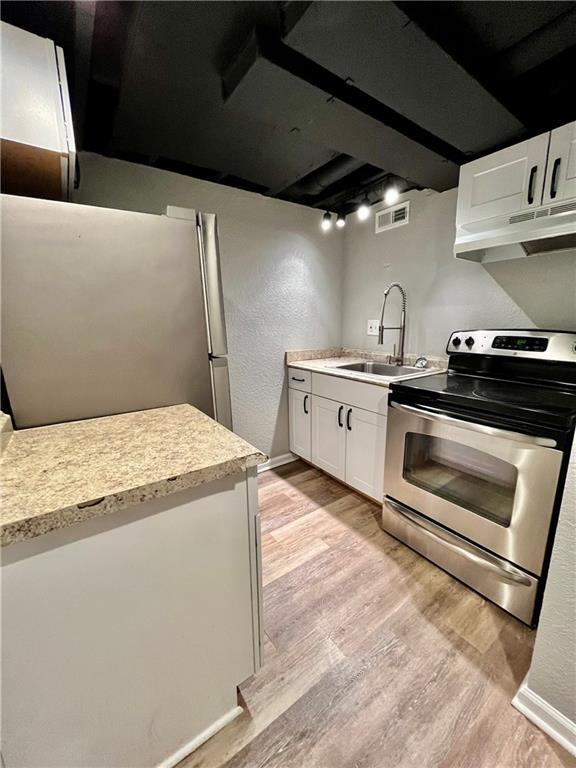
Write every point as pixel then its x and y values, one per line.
pixel 520 200
pixel 560 181
pixel 505 182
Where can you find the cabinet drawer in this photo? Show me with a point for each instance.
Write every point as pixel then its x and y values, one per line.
pixel 371 397
pixel 298 379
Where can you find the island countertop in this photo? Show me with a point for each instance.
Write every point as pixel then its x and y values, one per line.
pixel 62 474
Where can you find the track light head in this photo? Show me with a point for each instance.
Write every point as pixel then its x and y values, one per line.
pixel 363 210
pixel 391 196
pixel 326 223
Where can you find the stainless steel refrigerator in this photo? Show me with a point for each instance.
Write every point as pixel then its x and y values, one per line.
pixel 107 311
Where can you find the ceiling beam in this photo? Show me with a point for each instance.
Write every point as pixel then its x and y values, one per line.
pixel 272 49
pixel 434 25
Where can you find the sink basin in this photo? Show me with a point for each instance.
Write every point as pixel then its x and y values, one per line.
pixel 381 369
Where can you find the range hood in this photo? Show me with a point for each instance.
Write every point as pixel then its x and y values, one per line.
pixel 547 229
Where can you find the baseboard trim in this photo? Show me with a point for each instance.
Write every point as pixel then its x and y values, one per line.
pixel 277 461
pixel 546 717
pixel 188 748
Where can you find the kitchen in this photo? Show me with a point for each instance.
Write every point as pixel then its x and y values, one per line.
pixel 349 647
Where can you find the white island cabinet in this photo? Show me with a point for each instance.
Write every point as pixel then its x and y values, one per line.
pixel 127 626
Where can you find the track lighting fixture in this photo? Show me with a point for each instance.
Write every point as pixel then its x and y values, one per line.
pixel 363 210
pixel 326 221
pixel 391 195
pixel 340 220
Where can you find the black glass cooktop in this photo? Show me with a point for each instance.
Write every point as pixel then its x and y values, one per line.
pixel 505 398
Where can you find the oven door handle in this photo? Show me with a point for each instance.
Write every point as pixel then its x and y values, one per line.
pixel 505 572
pixel 450 421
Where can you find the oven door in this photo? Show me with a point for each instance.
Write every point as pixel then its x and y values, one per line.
pixel 493 486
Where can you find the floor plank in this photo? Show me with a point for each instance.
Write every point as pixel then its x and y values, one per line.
pixel 374 658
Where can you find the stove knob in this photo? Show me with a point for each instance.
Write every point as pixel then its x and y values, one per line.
pixel 456 341
pixel 469 342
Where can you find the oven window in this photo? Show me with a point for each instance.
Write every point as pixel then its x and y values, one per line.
pixel 465 476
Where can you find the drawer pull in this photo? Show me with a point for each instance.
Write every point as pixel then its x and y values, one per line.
pixel 295 379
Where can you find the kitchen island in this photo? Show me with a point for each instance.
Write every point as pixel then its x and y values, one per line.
pixel 130 587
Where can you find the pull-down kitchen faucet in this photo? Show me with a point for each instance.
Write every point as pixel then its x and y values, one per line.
pixel 399 358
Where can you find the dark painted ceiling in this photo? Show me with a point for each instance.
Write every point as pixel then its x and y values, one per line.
pixel 316 102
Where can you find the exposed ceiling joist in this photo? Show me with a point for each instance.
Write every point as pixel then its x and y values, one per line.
pixel 271 48
pixel 285 89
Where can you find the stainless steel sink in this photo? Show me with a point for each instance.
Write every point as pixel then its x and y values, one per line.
pixel 381 369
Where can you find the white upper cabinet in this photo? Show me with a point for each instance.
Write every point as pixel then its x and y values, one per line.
pixel 537 172
pixel 503 183
pixel 38 148
pixel 560 183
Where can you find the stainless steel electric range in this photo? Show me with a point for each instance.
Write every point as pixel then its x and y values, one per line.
pixel 476 460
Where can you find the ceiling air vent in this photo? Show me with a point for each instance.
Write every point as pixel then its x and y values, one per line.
pixel 390 218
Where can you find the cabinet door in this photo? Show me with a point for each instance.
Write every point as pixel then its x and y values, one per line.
pixel 300 420
pixel 503 183
pixel 38 148
pixel 365 446
pixel 329 436
pixel 561 171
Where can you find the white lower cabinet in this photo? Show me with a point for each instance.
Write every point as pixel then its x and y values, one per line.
pixel 349 444
pixel 331 432
pixel 365 446
pixel 300 423
pixel 329 436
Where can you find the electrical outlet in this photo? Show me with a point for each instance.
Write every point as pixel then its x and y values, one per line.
pixel 372 329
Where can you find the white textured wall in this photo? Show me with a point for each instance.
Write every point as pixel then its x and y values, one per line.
pixel 281 275
pixel 444 293
pixel 553 669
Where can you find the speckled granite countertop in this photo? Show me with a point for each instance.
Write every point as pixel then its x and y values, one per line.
pixel 332 366
pixel 58 475
pixel 5 430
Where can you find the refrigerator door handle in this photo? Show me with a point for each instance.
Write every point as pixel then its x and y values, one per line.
pixel 210 264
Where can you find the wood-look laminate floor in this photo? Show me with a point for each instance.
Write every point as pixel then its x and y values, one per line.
pixel 374 658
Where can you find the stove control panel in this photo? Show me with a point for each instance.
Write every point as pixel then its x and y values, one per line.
pixel 545 345
pixel 521 343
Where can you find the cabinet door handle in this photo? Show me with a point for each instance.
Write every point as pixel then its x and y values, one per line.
pixel 531 184
pixel 305 403
pixel 295 379
pixel 348 419
pixel 554 182
pixel 340 416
